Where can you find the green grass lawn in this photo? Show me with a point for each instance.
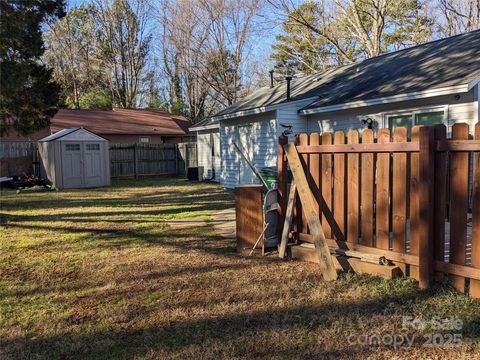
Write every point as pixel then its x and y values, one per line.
pixel 98 273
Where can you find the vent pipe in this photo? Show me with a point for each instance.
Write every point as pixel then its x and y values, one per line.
pixel 289 79
pixel 271 79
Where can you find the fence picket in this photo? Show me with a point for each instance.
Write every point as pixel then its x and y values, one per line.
pixel 414 211
pixel 302 139
pixel 399 195
pixel 326 184
pixel 367 185
pixel 475 260
pixel 353 190
pixel 339 188
pixel 315 172
pixel 382 193
pixel 458 205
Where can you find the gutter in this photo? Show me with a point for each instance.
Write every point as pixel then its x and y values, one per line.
pixel 395 98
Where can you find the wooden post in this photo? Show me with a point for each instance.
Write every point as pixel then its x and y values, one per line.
pixel 425 202
pixel 475 284
pixel 135 160
pixel 288 220
pixel 440 209
pixel 282 183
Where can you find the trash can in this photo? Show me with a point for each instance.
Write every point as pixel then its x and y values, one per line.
pixel 270 176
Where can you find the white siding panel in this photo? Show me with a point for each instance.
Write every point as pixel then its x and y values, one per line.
pixel 459 110
pixel 266 130
pixel 288 115
pixel 264 141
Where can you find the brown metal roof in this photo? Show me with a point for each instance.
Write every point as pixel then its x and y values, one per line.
pixel 121 121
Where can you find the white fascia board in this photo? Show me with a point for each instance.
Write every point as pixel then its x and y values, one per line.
pixel 262 109
pixel 474 82
pixel 205 127
pixel 395 98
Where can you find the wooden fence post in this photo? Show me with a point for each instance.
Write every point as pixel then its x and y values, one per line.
pixel 425 200
pixel 475 284
pixel 282 182
pixel 441 193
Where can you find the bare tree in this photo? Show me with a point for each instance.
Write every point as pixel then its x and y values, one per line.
pixel 458 16
pixel 71 51
pixel 124 39
pixel 204 45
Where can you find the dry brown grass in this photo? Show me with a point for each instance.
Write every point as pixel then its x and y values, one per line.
pixel 99 274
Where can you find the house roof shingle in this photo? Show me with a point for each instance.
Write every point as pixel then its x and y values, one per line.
pixel 121 121
pixel 434 65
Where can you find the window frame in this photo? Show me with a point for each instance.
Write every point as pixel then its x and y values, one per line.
pixel 413 111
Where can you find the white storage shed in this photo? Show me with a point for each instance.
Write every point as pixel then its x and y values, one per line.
pixel 75 158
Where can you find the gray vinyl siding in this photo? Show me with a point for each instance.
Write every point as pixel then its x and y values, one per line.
pixel 463 110
pixel 288 115
pixel 264 128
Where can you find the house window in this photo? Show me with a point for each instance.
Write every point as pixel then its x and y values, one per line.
pixel 410 119
pixel 144 139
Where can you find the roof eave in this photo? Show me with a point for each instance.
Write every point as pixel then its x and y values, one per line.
pixel 395 98
pixel 473 83
pixel 262 109
pixel 206 127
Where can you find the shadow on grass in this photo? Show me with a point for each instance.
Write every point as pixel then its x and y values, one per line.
pixel 249 331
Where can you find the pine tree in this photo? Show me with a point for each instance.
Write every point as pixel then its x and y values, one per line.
pixel 28 96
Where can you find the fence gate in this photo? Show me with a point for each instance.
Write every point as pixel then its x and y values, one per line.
pixel 415 200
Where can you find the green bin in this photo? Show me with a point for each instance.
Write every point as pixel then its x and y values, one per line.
pixel 270 176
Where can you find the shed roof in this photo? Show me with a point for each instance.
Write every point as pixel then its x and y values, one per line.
pixel 121 121
pixel 66 134
pixel 438 64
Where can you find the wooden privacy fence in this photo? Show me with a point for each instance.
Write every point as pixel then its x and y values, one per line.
pixel 403 198
pixel 16 149
pixel 18 158
pixel 134 160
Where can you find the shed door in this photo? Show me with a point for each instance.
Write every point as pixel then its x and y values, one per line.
pixel 93 164
pixel 246 142
pixel 72 167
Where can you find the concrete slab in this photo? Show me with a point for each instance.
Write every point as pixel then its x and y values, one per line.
pixel 224 223
pixel 185 223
